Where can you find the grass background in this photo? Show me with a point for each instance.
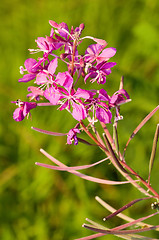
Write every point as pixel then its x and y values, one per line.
pixel 40 204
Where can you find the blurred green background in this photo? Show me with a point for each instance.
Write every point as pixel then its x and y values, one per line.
pixel 41 204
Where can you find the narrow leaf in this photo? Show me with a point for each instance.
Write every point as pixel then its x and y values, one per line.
pixel 48 132
pixel 115 137
pixel 114 159
pixel 85 142
pixel 134 222
pixel 91 236
pixel 120 215
pixel 153 153
pixel 127 236
pixel 86 177
pixel 140 126
pixel 70 168
pixel 111 231
pixel 96 224
pixel 125 207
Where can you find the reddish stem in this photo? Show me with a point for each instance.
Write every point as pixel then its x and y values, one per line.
pixel 73 56
pixel 120 164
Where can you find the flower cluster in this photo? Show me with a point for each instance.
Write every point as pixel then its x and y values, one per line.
pixel 59 88
pixel 64 89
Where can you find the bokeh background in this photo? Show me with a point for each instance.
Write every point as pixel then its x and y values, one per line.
pixel 41 204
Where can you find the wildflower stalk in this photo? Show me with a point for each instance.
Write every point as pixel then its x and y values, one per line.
pixel 118 165
pixel 73 56
pixel 115 137
pixel 153 153
pixel 93 138
pixel 59 89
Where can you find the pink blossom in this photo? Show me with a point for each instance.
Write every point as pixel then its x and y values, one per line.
pixel 99 72
pixel 35 93
pixel 72 136
pixel 32 67
pixel 67 97
pixel 93 53
pixel 53 95
pixel 119 97
pixel 23 110
pixel 47 75
pixel 104 115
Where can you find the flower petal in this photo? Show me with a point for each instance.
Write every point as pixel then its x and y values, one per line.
pixel 106 54
pixel 53 95
pixel 29 64
pixel 18 114
pixel 81 93
pixel 103 115
pixel 79 112
pixel 52 66
pixel 27 77
pixel 64 79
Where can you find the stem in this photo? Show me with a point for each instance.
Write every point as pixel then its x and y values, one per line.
pixel 142 180
pixel 118 165
pixel 73 57
pixel 120 168
pixel 153 153
pixel 94 139
pixel 108 134
pixel 105 129
pixel 114 159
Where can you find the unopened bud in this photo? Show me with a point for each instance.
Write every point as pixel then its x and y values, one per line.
pixel 53 23
pixel 100 41
pixel 81 26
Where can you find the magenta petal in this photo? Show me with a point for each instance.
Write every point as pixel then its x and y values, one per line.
pixel 106 65
pixel 52 66
pixel 35 92
pixel 92 52
pixel 27 77
pixel 122 91
pixel 28 106
pixel 81 93
pixel 64 79
pixel 100 41
pixel 65 105
pixel 79 112
pixel 41 78
pixel 103 96
pixel 103 115
pixel 29 63
pixel 106 54
pixel 87 76
pixel 52 95
pixel 42 43
pixel 18 114
pixel 53 23
pixel 72 136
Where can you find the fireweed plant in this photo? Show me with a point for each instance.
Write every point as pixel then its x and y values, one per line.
pixel 87 107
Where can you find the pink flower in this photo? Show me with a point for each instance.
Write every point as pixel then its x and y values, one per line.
pixel 72 136
pixel 93 53
pixel 32 67
pixel 119 97
pixel 47 75
pixel 35 93
pixel 53 95
pixel 23 110
pixel 67 97
pixel 103 114
pixel 99 72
